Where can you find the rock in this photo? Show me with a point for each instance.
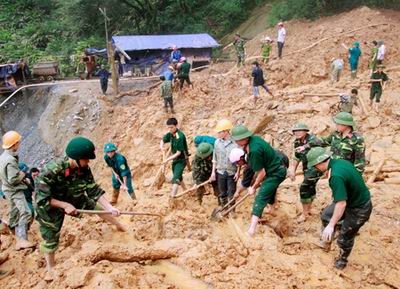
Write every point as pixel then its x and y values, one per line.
pixel 77 117
pixel 298 108
pixel 73 90
pixel 137 141
pixel 373 121
pixel 79 277
pixel 323 108
pixel 147 182
pixel 315 99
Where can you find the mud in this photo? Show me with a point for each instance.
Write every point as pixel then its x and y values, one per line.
pixel 205 254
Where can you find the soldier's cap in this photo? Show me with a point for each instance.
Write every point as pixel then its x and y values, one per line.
pixel 381 66
pixel 317 155
pixel 204 150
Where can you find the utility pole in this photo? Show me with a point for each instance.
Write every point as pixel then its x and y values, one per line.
pixel 110 54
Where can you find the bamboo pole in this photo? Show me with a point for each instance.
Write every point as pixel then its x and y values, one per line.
pixel 195 187
pixel 376 172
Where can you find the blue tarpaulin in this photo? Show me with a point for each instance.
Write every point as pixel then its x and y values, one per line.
pixel 156 42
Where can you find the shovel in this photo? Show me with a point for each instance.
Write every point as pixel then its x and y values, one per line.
pixel 220 215
pixel 160 176
pixel 100 212
pixel 195 187
pixel 122 184
pixel 216 211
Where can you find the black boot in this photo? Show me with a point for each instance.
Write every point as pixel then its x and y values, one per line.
pixel 341 261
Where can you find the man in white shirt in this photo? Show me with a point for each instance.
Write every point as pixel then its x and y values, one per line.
pixel 281 38
pixel 381 52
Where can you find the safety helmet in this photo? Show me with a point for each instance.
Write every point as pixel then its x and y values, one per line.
pixel 300 126
pixel 183 59
pixel 10 138
pixel 240 132
pixel 223 124
pixel 204 150
pixel 317 155
pixel 80 148
pixel 344 118
pixel 235 155
pixel 109 147
pixel 268 39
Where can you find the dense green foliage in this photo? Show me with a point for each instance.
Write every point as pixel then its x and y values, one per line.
pixel 58 29
pixel 311 9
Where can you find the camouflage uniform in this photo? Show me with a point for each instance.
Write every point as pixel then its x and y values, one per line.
pixel 58 181
pixel 311 175
pixel 201 170
pixel 239 47
pixel 351 148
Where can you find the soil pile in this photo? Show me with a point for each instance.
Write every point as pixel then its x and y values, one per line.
pixel 192 251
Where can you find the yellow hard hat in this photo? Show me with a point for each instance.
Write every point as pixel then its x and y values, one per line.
pixel 223 124
pixel 10 138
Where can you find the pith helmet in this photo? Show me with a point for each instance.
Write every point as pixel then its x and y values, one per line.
pixel 344 118
pixel 109 147
pixel 10 138
pixel 204 150
pixel 300 126
pixel 80 148
pixel 240 132
pixel 223 124
pixel 317 155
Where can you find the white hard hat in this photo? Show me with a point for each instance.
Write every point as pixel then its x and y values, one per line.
pixel 235 155
pixel 267 38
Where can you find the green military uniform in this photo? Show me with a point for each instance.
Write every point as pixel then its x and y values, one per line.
pixel 59 181
pixel 239 47
pixel 347 185
pixel 351 148
pixel 178 143
pixel 373 61
pixel 13 187
pixel 376 87
pixel 263 156
pixel 311 175
pixel 202 169
pixel 120 166
pixel 166 94
pixel 266 51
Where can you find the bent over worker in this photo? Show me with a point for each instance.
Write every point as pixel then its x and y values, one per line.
pixel 121 173
pixel 64 186
pixel 351 202
pixel 14 187
pixel 267 163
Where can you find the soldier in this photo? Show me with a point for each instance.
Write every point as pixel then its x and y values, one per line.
pixel 202 168
pixel 179 155
pixel 121 173
pixel 302 145
pixel 239 48
pixel 14 187
pixel 345 143
pixel 378 82
pixel 268 166
pixel 351 202
pixel 64 186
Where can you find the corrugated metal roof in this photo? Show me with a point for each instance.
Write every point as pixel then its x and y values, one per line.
pixel 145 42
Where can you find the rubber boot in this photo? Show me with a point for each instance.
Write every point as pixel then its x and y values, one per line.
pixel 174 190
pixel 341 261
pixel 115 196
pixel 223 201
pixel 353 75
pixel 21 235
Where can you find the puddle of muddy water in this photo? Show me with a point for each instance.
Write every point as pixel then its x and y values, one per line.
pixel 177 276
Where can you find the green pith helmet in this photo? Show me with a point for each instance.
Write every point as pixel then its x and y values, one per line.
pixel 344 118
pixel 317 155
pixel 204 150
pixel 300 126
pixel 109 147
pixel 240 132
pixel 80 148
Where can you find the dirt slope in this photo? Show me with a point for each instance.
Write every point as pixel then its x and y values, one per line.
pixel 203 254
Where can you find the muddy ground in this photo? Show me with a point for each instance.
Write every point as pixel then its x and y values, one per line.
pixel 191 251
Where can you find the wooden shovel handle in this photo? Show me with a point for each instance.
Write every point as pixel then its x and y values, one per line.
pixel 101 212
pixel 236 204
pixel 192 189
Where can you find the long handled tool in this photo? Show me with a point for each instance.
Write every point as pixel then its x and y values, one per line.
pixel 121 183
pixel 220 215
pixel 192 189
pixel 216 211
pixel 101 212
pixel 160 175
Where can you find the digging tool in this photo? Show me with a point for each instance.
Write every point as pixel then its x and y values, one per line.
pixel 121 183
pixel 192 189
pixel 217 211
pixel 101 212
pixel 160 176
pixel 220 215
